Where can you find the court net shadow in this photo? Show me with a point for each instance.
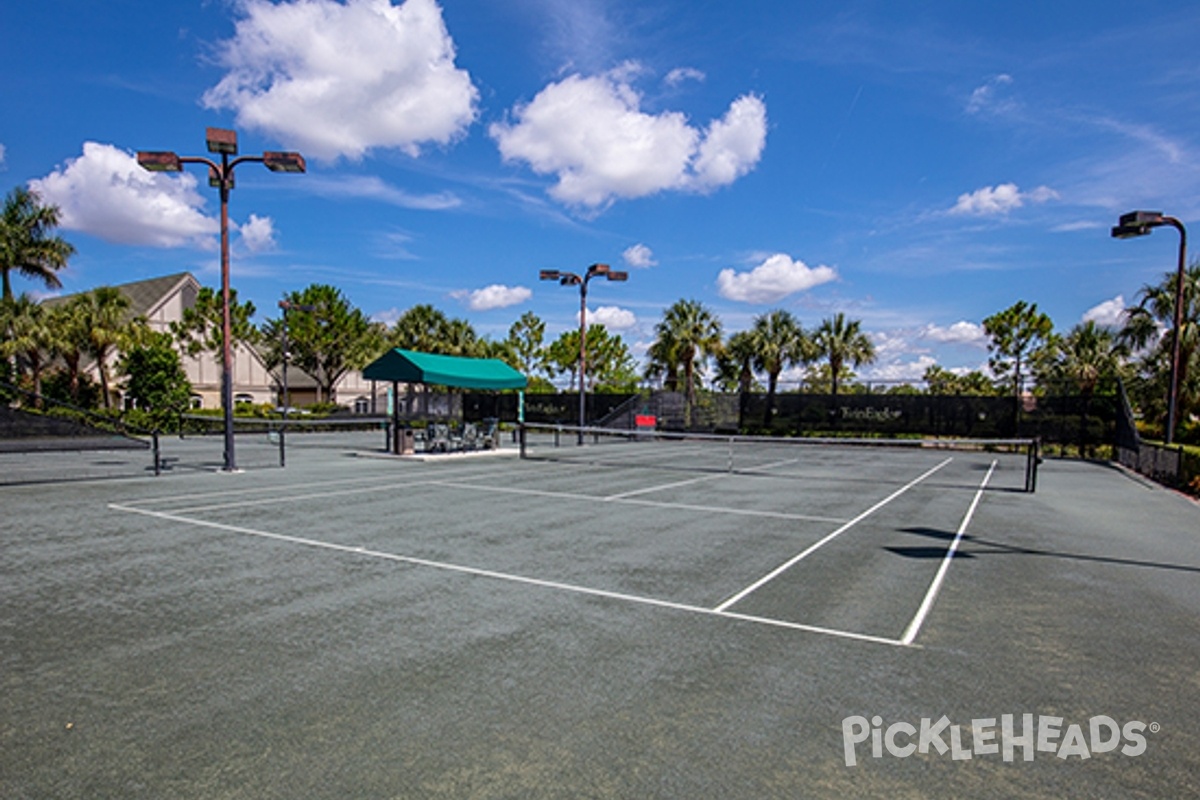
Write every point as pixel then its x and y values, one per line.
pixel 985 547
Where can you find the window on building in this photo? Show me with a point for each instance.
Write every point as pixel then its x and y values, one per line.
pixel 362 405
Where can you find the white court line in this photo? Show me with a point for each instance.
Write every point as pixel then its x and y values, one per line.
pixel 504 576
pixel 740 512
pixel 289 498
pixel 392 478
pixel 797 559
pixel 660 488
pixel 914 627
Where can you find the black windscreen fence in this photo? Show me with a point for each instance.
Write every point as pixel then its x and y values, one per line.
pixel 1076 421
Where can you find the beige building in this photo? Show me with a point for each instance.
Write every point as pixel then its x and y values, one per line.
pixel 161 301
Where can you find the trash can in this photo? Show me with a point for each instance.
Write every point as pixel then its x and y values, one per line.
pixel 405 444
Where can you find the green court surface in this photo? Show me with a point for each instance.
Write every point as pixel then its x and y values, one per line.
pixel 355 625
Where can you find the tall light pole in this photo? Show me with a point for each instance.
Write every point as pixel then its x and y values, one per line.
pixel 573 279
pixel 220 175
pixel 1140 223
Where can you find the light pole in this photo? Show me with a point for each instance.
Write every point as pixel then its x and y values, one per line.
pixel 1140 223
pixel 572 279
pixel 220 175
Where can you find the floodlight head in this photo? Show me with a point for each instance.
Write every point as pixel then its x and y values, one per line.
pixel 1129 231
pixel 214 178
pixel 618 276
pixel 549 275
pixel 221 140
pixel 1141 218
pixel 284 162
pixel 569 279
pixel 159 161
pixel 598 269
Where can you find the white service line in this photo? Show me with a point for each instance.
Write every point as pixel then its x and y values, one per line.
pixel 662 487
pixel 914 627
pixel 504 576
pixel 822 542
pixel 395 479
pixel 741 512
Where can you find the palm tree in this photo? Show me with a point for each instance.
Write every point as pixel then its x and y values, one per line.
pixel 103 313
pixel 421 328
pixel 1154 312
pixel 1083 358
pixel 26 245
pixel 778 342
pixel 30 338
pixel 735 363
pixel 842 343
pixel 69 324
pixel 684 339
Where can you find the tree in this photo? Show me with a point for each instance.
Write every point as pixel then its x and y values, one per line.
pixel 1015 332
pixel 155 380
pixel 778 342
pixel 735 363
pixel 843 344
pixel 30 338
pixel 103 313
pixel 1087 356
pixel 1149 326
pixel 525 342
pixel 685 338
pixel 326 342
pixel 200 329
pixel 26 246
pixel 70 342
pixel 421 328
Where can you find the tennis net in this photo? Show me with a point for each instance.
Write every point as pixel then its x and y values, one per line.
pixel 1015 460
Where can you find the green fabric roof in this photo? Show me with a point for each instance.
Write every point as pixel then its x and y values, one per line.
pixel 405 366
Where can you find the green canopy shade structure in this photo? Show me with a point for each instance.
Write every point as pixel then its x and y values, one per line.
pixel 406 366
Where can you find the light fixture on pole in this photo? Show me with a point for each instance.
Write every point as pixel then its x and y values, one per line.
pixel 220 175
pixel 572 279
pixel 1140 223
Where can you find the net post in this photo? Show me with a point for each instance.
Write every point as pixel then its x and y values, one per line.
pixel 282 445
pixel 157 455
pixel 1032 459
pixel 521 437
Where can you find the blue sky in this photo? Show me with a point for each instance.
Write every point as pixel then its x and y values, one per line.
pixel 916 165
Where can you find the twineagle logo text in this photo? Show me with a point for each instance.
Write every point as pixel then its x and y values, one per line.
pixel 1101 734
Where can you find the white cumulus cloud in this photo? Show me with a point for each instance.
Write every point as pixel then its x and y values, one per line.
pixel 1109 314
pixel 639 255
pixel 258 234
pixel 775 278
pixel 338 79
pixel 612 317
pixel 592 133
pixel 106 194
pixel 961 332
pixel 993 200
pixel 494 296
pixel 3 154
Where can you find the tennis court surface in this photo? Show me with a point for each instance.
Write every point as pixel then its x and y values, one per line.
pixel 606 622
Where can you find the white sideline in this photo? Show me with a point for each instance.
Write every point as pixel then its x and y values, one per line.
pixel 784 567
pixel 914 627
